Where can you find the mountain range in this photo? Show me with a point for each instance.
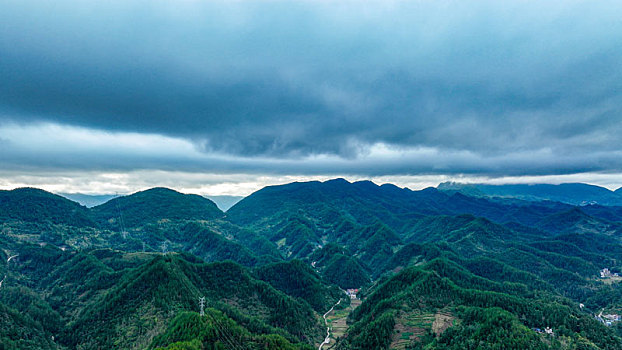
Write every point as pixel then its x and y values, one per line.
pixel 440 268
pixel 571 193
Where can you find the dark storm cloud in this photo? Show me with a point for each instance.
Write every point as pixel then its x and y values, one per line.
pixel 491 87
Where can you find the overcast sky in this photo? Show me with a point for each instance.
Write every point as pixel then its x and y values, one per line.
pixel 223 97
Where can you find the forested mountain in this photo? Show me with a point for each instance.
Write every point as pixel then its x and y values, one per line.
pixel 37 206
pixel 365 203
pixel 435 269
pixel 298 279
pixel 443 293
pixel 86 299
pixel 571 193
pixel 154 205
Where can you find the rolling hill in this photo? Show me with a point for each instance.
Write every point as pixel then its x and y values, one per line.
pixel 154 205
pixel 37 206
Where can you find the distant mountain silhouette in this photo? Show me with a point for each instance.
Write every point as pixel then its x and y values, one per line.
pixel 571 193
pixel 88 200
pixel 224 202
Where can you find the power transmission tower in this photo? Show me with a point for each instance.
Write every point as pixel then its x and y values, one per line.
pixel 202 306
pixel 123 231
pixel 164 247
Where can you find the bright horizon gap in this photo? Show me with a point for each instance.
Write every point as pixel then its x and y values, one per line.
pixel 245 184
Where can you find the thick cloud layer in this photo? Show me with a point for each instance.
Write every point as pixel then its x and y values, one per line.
pixel 496 88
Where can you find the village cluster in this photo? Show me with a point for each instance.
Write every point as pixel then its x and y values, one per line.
pixel 605 273
pixel 547 330
pixel 608 319
pixel 352 293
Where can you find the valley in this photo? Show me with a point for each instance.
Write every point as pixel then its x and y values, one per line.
pixel 338 321
pixel 328 329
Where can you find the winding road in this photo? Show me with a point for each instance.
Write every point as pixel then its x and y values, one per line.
pixel 7 270
pixel 327 339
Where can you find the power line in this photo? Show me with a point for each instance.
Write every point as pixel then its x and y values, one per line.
pixel 226 335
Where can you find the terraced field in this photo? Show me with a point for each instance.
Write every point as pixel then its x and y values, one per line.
pixel 410 326
pixel 337 321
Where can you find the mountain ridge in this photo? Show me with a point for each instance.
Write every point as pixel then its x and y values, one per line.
pixel 570 193
pixel 155 204
pixel 33 204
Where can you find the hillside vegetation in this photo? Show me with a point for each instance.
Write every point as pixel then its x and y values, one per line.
pixel 434 269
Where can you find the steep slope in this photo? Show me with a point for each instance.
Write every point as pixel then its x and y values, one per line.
pixel 456 228
pixel 575 220
pixel 113 299
pixel 20 331
pixel 154 205
pixel 210 240
pixel 337 265
pixel 38 206
pixel 567 264
pixel 215 330
pixel 299 280
pixel 459 308
pixel 145 299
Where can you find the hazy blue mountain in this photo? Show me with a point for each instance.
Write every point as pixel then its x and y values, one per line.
pixel 88 200
pixel 571 193
pixel 225 202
